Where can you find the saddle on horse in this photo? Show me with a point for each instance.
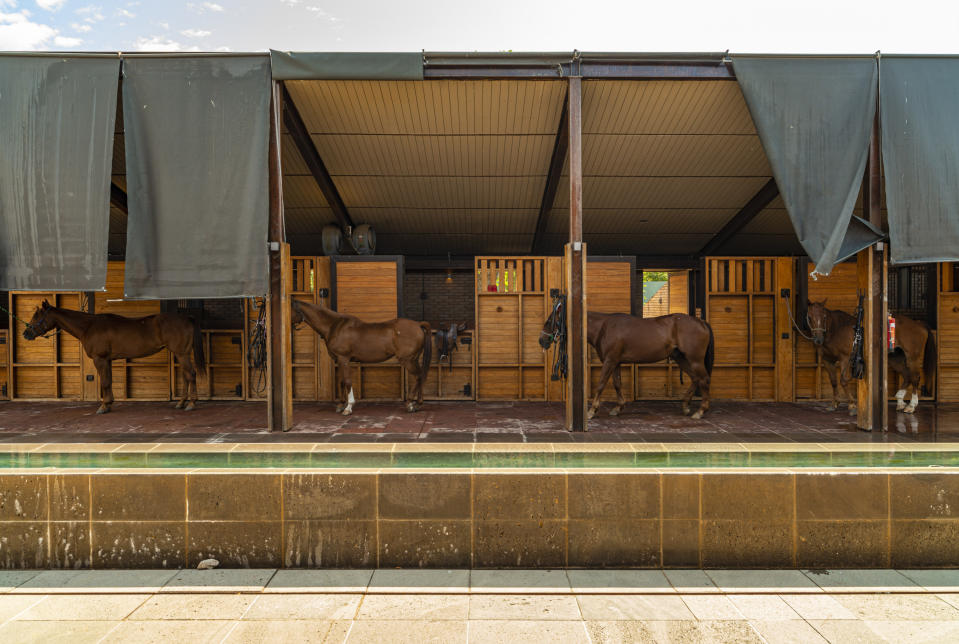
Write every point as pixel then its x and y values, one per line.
pixel 447 341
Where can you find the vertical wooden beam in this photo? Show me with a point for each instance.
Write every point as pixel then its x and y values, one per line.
pixel 279 367
pixel 578 355
pixel 785 354
pixel 871 277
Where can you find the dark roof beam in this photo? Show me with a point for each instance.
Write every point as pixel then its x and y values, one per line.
pixel 118 198
pixel 556 163
pixel 741 219
pixel 304 144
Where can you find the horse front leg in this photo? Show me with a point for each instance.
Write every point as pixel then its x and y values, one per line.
pixel 105 370
pixel 701 379
pixel 913 380
pixel 608 367
pixel 347 382
pixel 417 398
pixel 830 368
pixel 844 381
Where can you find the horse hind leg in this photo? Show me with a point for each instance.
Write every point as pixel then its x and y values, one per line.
pixel 188 400
pixel 348 388
pixel 105 371
pixel 914 386
pixel 417 398
pixel 618 385
pixel 608 367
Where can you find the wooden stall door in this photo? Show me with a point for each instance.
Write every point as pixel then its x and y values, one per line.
pixel 4 360
pixel 609 289
pixel 146 378
pixel 660 380
pixel 512 303
pixel 48 368
pixel 369 287
pixel 948 333
pixel 453 379
pixel 741 308
pixel 839 291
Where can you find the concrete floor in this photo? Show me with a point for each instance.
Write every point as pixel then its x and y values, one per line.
pixel 480 606
pixel 648 421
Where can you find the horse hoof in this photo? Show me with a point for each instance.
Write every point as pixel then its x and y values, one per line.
pixel 180 405
pixel 590 414
pixel 190 406
pixel 900 406
pixel 853 412
pixel 614 411
pixel 103 409
pixel 411 407
pixel 909 410
pixel 697 415
pixel 340 408
pixel 834 407
pixel 347 412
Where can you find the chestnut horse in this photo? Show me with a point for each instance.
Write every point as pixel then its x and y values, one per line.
pixel 106 337
pixel 620 338
pixel 915 353
pixel 349 338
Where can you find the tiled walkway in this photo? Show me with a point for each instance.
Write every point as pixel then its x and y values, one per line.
pixel 480 606
pixel 649 421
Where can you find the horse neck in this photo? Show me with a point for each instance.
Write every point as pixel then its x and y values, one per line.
pixel 321 318
pixel 75 323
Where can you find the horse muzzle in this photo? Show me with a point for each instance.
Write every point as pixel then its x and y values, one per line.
pixel 818 340
pixel 29 334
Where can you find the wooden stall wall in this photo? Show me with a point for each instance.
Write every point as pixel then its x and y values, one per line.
pixel 370 287
pixel 48 368
pixel 741 307
pixel 948 333
pixel 609 289
pixel 512 303
pixel 679 292
pixel 838 289
pixel 452 379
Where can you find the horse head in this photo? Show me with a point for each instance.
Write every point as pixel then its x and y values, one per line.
pixel 296 318
pixel 41 322
pixel 553 326
pixel 817 315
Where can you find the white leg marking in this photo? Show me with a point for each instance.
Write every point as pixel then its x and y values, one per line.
pixel 912 404
pixel 900 404
pixel 349 403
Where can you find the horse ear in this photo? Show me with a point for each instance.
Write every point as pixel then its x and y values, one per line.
pixel 824 301
pixel 46 304
pixel 808 303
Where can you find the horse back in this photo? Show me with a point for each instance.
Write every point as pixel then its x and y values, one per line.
pixel 116 336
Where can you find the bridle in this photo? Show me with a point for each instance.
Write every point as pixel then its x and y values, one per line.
pixel 557 333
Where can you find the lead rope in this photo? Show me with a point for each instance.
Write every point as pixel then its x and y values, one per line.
pixel 30 326
pixel 558 333
pixel 793 320
pixel 256 353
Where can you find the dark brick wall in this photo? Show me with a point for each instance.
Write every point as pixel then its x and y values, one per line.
pixel 445 302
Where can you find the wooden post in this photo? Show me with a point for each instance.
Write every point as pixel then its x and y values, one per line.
pixel 871 278
pixel 785 352
pixel 279 368
pixel 577 350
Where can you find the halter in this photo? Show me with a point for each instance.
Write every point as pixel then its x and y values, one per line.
pixel 30 326
pixel 557 334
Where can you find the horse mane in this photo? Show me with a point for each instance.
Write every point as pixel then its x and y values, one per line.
pixel 841 318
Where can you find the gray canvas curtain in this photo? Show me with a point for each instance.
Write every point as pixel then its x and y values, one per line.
pixel 289 65
pixel 919 106
pixel 814 117
pixel 197 136
pixel 57 118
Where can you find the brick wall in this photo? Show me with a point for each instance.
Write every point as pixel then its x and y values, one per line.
pixel 445 302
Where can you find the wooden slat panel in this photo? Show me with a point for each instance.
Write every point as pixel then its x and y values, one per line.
pixel 43 379
pixel 534 383
pixel 497 323
pixel 609 287
pixel 367 290
pixel 4 351
pixel 763 331
pixel 534 316
pixel 679 292
pixel 728 315
pixel 497 383
pixel 729 382
pixel 652 381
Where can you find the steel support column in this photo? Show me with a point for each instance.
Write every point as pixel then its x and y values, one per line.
pixel 871 276
pixel 279 367
pixel 578 381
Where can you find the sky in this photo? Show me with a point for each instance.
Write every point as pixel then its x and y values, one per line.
pixel 806 26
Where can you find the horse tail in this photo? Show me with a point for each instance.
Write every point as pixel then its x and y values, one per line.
pixel 929 363
pixel 198 356
pixel 710 350
pixel 427 350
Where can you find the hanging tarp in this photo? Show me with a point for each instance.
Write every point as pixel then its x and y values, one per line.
pixel 919 105
pixel 814 117
pixel 290 65
pixel 859 236
pixel 197 135
pixel 57 118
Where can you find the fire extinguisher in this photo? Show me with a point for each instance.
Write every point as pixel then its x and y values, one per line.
pixel 892 333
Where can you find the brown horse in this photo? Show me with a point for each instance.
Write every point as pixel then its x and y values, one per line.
pixel 915 353
pixel 349 338
pixel 620 338
pixel 106 337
